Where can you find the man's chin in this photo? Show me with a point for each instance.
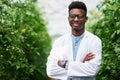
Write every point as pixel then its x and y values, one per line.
pixel 78 28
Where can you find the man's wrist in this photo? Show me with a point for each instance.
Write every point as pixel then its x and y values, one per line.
pixel 62 63
pixel 66 66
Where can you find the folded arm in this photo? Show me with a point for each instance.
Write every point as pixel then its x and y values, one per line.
pixel 53 70
pixel 89 66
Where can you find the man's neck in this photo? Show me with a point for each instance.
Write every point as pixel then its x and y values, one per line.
pixel 78 33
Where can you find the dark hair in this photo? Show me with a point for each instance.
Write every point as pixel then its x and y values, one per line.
pixel 79 5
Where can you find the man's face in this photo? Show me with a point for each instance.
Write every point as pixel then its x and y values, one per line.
pixel 77 19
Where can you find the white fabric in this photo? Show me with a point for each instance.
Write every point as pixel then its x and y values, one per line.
pixel 62 49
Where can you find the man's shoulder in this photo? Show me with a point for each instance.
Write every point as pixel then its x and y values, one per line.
pixel 92 36
pixel 60 40
pixel 62 37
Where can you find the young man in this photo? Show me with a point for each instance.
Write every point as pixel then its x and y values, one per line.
pixel 75 56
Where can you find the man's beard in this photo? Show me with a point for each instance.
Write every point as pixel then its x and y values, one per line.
pixel 77 29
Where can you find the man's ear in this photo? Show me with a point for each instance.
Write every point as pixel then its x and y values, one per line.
pixel 86 18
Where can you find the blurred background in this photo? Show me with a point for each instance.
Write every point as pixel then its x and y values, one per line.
pixel 56 13
pixel 28 29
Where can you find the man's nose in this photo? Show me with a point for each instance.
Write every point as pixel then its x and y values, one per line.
pixel 76 18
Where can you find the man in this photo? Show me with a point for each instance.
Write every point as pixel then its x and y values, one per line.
pixel 75 56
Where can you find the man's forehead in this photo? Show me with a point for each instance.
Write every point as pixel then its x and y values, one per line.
pixel 76 11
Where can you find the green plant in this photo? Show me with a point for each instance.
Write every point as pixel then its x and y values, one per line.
pixel 24 41
pixel 107 28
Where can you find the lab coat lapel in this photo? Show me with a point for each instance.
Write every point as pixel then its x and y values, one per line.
pixel 68 45
pixel 83 49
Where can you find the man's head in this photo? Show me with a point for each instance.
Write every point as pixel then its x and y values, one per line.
pixel 77 16
pixel 78 5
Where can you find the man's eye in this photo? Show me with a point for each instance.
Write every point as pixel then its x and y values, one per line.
pixel 72 16
pixel 79 16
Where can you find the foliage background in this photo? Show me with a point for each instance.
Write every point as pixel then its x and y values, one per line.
pixel 108 29
pixel 24 41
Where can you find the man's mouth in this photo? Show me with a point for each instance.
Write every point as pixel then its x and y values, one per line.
pixel 75 24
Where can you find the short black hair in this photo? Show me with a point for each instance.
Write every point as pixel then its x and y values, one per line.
pixel 78 5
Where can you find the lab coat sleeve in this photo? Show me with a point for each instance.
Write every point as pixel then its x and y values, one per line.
pixel 53 70
pixel 89 68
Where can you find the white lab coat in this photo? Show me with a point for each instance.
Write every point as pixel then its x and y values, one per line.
pixel 62 49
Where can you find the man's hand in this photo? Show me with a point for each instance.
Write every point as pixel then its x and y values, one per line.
pixel 89 56
pixel 62 63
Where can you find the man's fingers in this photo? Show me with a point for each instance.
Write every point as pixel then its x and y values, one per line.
pixel 89 57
